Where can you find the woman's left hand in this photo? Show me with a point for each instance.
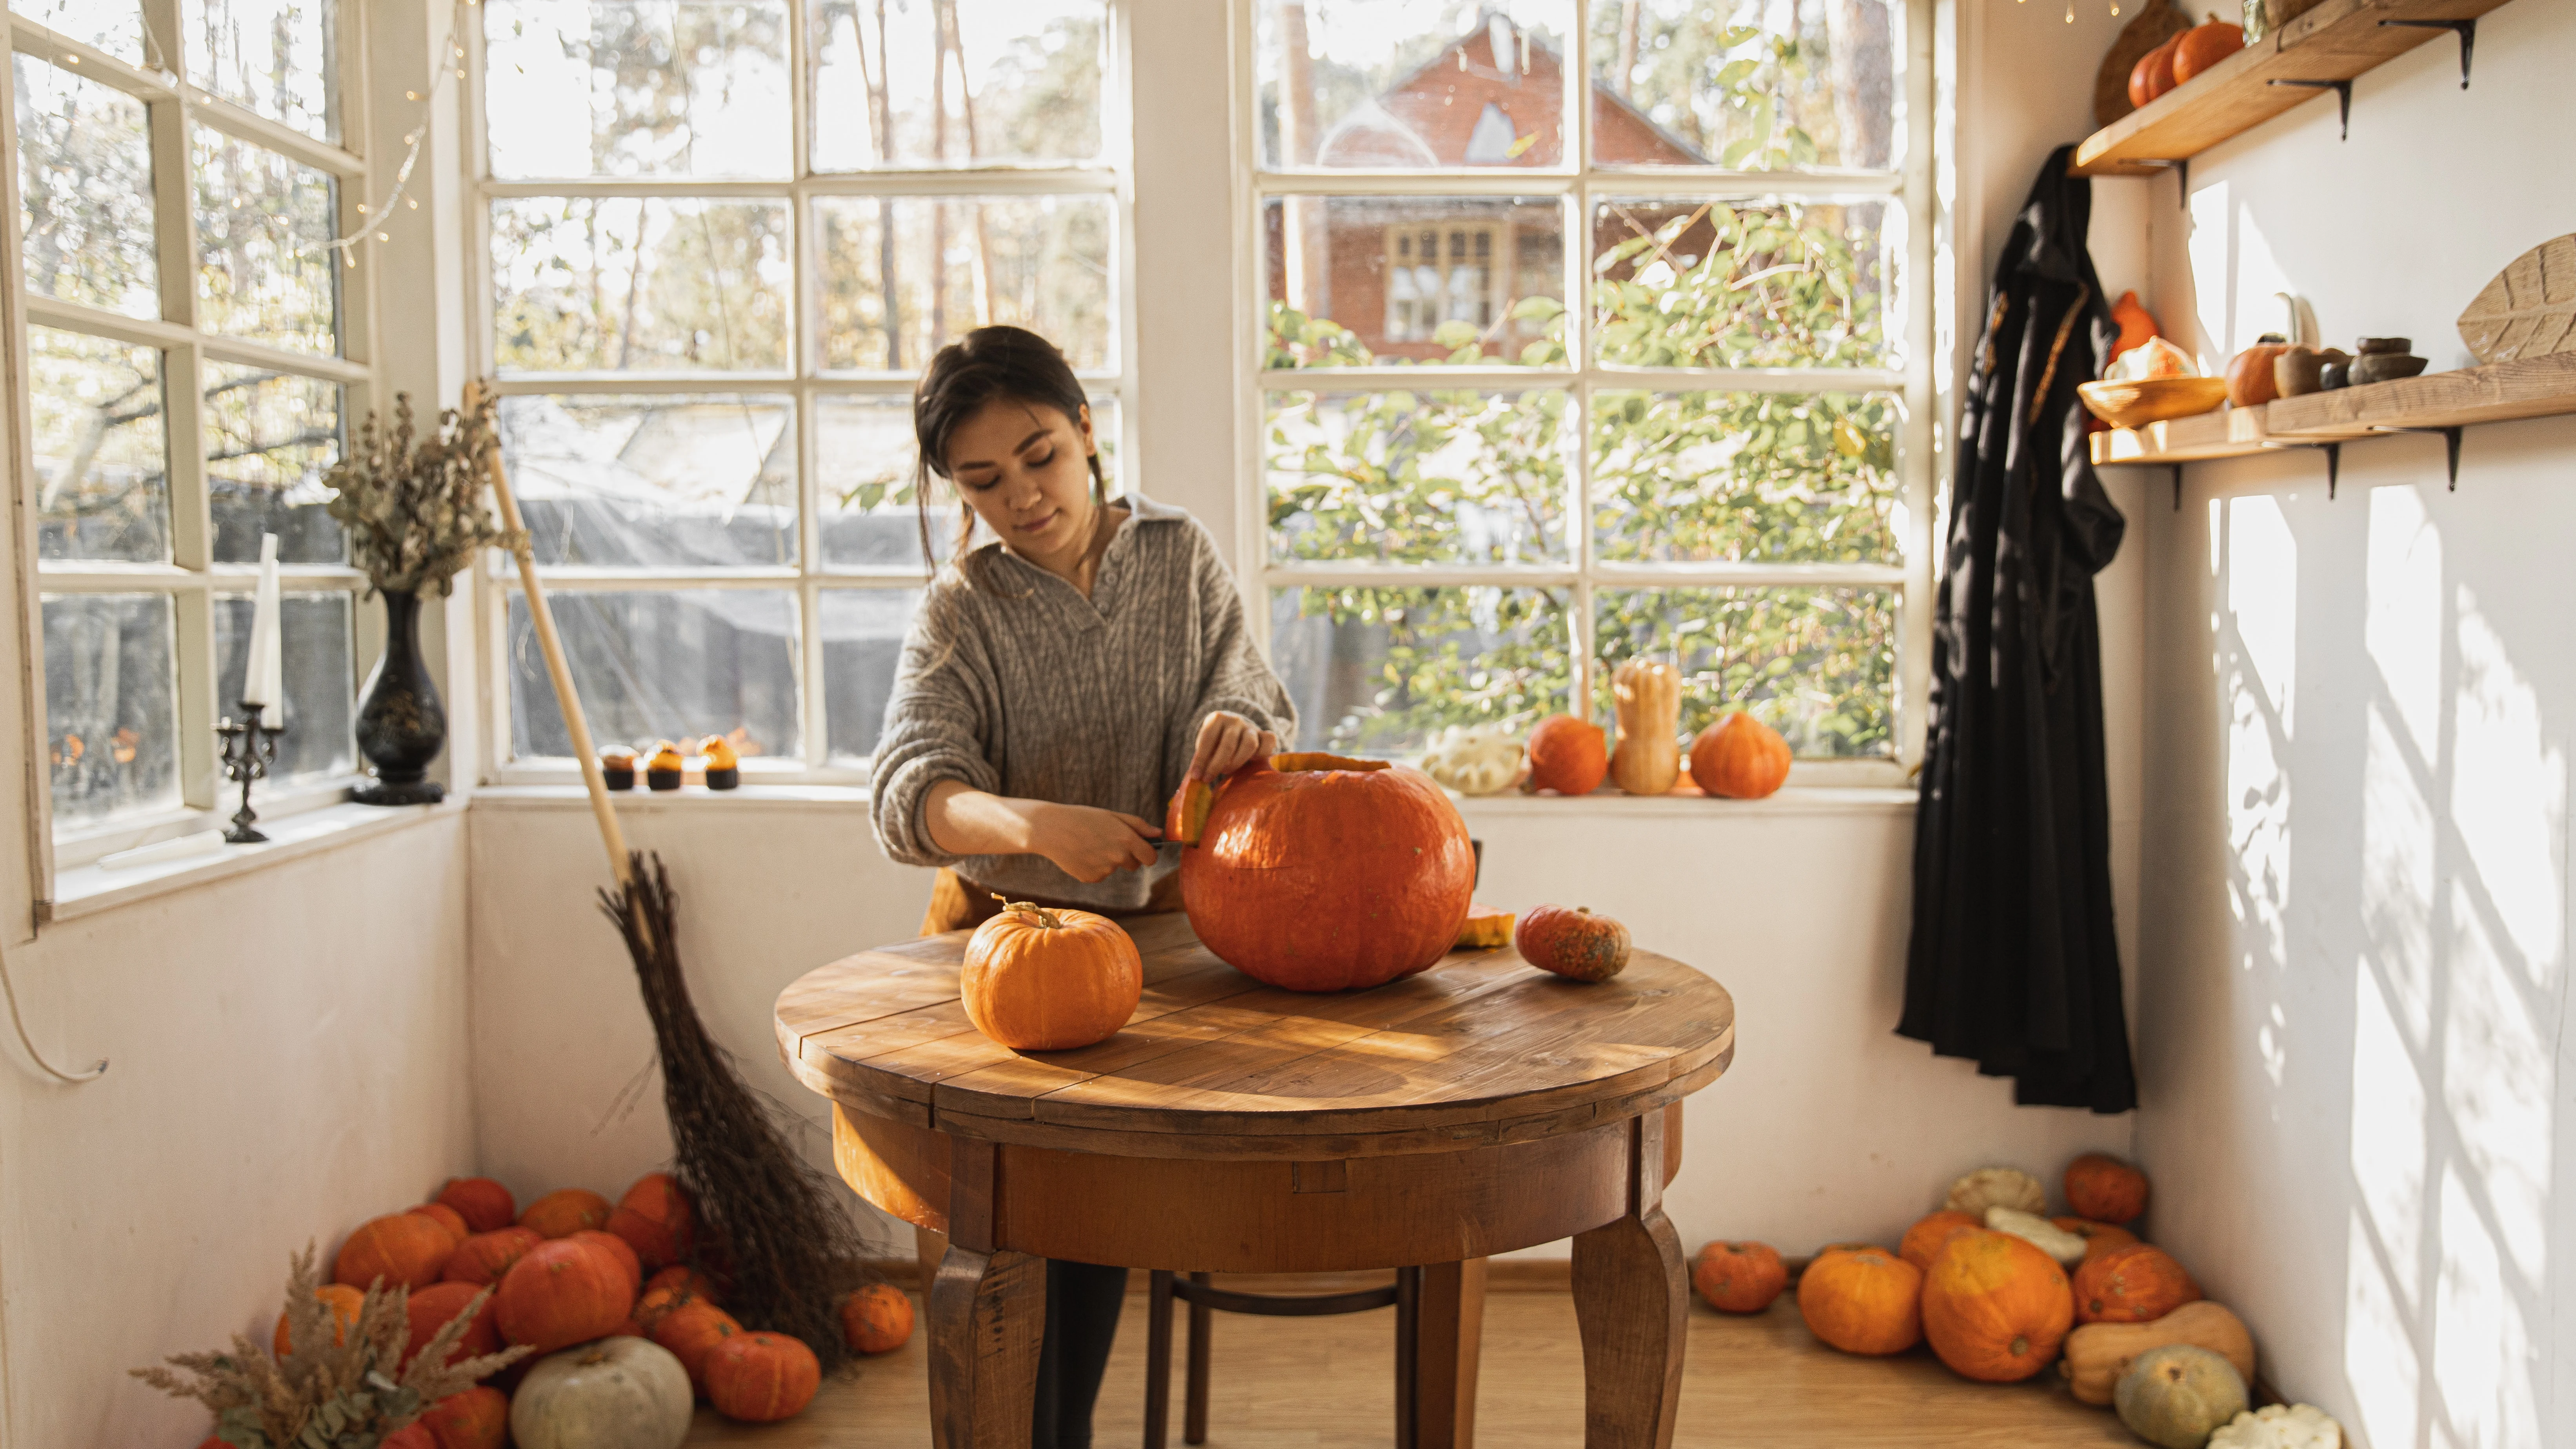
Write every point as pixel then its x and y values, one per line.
pixel 1226 742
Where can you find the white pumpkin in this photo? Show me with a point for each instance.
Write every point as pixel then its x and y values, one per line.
pixel 617 1393
pixel 2279 1426
pixel 1997 1187
pixel 2039 1232
pixel 1474 759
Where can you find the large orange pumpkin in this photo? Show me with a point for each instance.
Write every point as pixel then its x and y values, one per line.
pixel 478 1418
pixel 1862 1300
pixel 345 1304
pixel 1037 980
pixel 1324 874
pixel 483 1258
pixel 877 1318
pixel 1739 1277
pixel 1923 1241
pixel 484 1204
pixel 1739 757
pixel 691 1332
pixel 2135 1283
pixel 562 1293
pixel 1568 755
pixel 2105 1189
pixel 1995 1307
pixel 761 1378
pixel 562 1214
pixel 657 1220
pixel 436 1306
pixel 2099 1238
pixel 404 1250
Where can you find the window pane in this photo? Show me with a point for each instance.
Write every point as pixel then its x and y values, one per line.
pixel 673 664
pixel 656 481
pixel 637 87
pixel 1376 279
pixel 1412 83
pixel 278 58
pixel 114 26
pixel 1695 477
pixel 635 285
pixel 109 716
pixel 85 192
pixel 265 268
pixel 1379 671
pixel 270 436
pixel 1739 284
pixel 321 697
pixel 862 640
pixel 1040 262
pixel 864 449
pixel 1696 83
pixel 1818 665
pixel 102 450
pixel 1418 477
pixel 1009 81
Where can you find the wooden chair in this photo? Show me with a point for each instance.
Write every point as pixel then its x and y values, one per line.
pixel 1404 1294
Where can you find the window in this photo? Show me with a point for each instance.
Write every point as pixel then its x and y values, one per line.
pixel 721 238
pixel 193 346
pixel 1592 330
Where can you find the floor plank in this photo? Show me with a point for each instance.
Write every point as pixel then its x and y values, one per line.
pixel 1326 1383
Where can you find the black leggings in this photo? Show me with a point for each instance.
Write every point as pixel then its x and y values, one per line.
pixel 1082 1304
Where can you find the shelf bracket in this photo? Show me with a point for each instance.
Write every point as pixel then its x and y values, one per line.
pixel 2467 30
pixel 2343 97
pixel 2177 472
pixel 2450 439
pixel 2334 459
pixel 2182 173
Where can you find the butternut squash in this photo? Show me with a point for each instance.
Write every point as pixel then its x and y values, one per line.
pixel 1649 757
pixel 2098 1353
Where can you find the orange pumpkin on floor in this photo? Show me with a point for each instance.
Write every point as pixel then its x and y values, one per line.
pixel 484 1204
pixel 1862 1300
pixel 2099 1238
pixel 877 1319
pixel 446 1217
pixel 1575 944
pixel 1923 1240
pixel 562 1214
pixel 436 1306
pixel 761 1378
pixel 691 1332
pixel 484 1257
pixel 1995 1307
pixel 403 1250
pixel 1318 873
pixel 2135 1283
pixel 1568 755
pixel 1739 1277
pixel 1037 980
pixel 682 1276
pixel 1740 758
pixel 657 1220
pixel 2105 1189
pixel 345 1304
pixel 618 1249
pixel 478 1418
pixel 562 1293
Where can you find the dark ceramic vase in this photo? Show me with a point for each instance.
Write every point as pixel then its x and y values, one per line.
pixel 401 724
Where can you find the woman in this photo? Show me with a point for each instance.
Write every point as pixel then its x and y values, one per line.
pixel 1056 688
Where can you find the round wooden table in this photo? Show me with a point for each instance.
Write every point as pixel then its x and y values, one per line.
pixel 1473 1108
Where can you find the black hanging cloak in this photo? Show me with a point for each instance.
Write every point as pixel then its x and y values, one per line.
pixel 2013 961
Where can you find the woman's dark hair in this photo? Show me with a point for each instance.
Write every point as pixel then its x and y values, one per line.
pixel 1006 364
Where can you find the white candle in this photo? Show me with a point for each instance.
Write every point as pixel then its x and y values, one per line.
pixel 264 678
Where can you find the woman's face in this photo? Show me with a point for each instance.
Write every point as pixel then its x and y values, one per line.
pixel 1025 470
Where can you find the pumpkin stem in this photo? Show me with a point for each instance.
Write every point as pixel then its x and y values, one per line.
pixel 1037 915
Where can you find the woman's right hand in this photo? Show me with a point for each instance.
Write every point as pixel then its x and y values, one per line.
pixel 1088 843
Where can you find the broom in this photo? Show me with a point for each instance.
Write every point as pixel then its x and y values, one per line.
pixel 787 1246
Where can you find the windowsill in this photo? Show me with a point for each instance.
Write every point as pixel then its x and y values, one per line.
pixel 89 889
pixel 1794 800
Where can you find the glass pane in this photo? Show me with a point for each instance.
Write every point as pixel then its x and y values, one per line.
pixel 1412 84
pixel 321 693
pixel 1040 262
pixel 666 664
pixel 279 58
pixel 1739 284
pixel 1378 279
pixel 657 481
pixel 862 640
pixel 1726 83
pixel 1818 665
pixel 864 449
pixel 265 268
pixel 1379 671
pixel 983 82
pixel 629 284
pixel 1695 477
pixel 1418 477
pixel 270 436
pixel 85 192
pixel 110 721
pixel 114 26
pixel 102 451
pixel 637 88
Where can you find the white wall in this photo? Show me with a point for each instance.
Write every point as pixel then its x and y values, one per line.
pixel 2353 1009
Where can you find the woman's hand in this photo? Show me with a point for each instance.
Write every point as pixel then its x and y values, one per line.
pixel 1227 742
pixel 1088 843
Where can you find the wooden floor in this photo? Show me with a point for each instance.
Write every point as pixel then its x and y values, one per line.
pixel 1324 1383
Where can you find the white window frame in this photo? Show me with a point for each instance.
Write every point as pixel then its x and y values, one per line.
pixel 1111 176
pixel 191 579
pixel 1916 305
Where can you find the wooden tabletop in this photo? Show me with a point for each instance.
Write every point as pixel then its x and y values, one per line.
pixel 1480 1049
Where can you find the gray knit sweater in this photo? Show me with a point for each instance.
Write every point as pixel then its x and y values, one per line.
pixel 1016 684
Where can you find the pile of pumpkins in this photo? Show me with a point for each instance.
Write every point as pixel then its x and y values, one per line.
pixel 1738 757
pixel 621 1306
pixel 2001 1291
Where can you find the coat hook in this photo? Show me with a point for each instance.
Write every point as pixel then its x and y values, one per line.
pixel 2343 97
pixel 2467 30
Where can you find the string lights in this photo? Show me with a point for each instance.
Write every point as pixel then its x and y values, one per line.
pixel 370 226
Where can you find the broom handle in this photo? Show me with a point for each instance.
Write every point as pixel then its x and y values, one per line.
pixel 551 643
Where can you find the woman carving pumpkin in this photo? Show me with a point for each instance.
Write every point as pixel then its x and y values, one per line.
pixel 1057 687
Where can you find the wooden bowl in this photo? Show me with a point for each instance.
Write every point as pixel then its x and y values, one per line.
pixel 2136 404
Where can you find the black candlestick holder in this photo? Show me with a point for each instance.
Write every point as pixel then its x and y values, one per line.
pixel 249 749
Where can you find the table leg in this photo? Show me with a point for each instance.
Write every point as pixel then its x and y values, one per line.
pixel 1449 1327
pixel 1632 1300
pixel 987 1320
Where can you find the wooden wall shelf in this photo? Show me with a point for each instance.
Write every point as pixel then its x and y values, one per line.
pixel 2530 387
pixel 2321 50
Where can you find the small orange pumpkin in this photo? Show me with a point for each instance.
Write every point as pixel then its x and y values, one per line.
pixel 1048 981
pixel 434 1307
pixel 616 1248
pixel 2202 46
pixel 564 1213
pixel 562 1293
pixel 2134 1283
pixel 478 1418
pixel 404 1250
pixel 691 1332
pixel 657 1220
pixel 1740 758
pixel 2099 1238
pixel 1862 1300
pixel 761 1378
pixel 1575 944
pixel 484 1257
pixel 1568 755
pixel 876 1319
pixel 681 1276
pixel 484 1204
pixel 345 1304
pixel 1995 1307
pixel 2105 1189
pixel 2153 75
pixel 1739 1277
pixel 446 1217
pixel 1923 1240
pixel 2251 381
